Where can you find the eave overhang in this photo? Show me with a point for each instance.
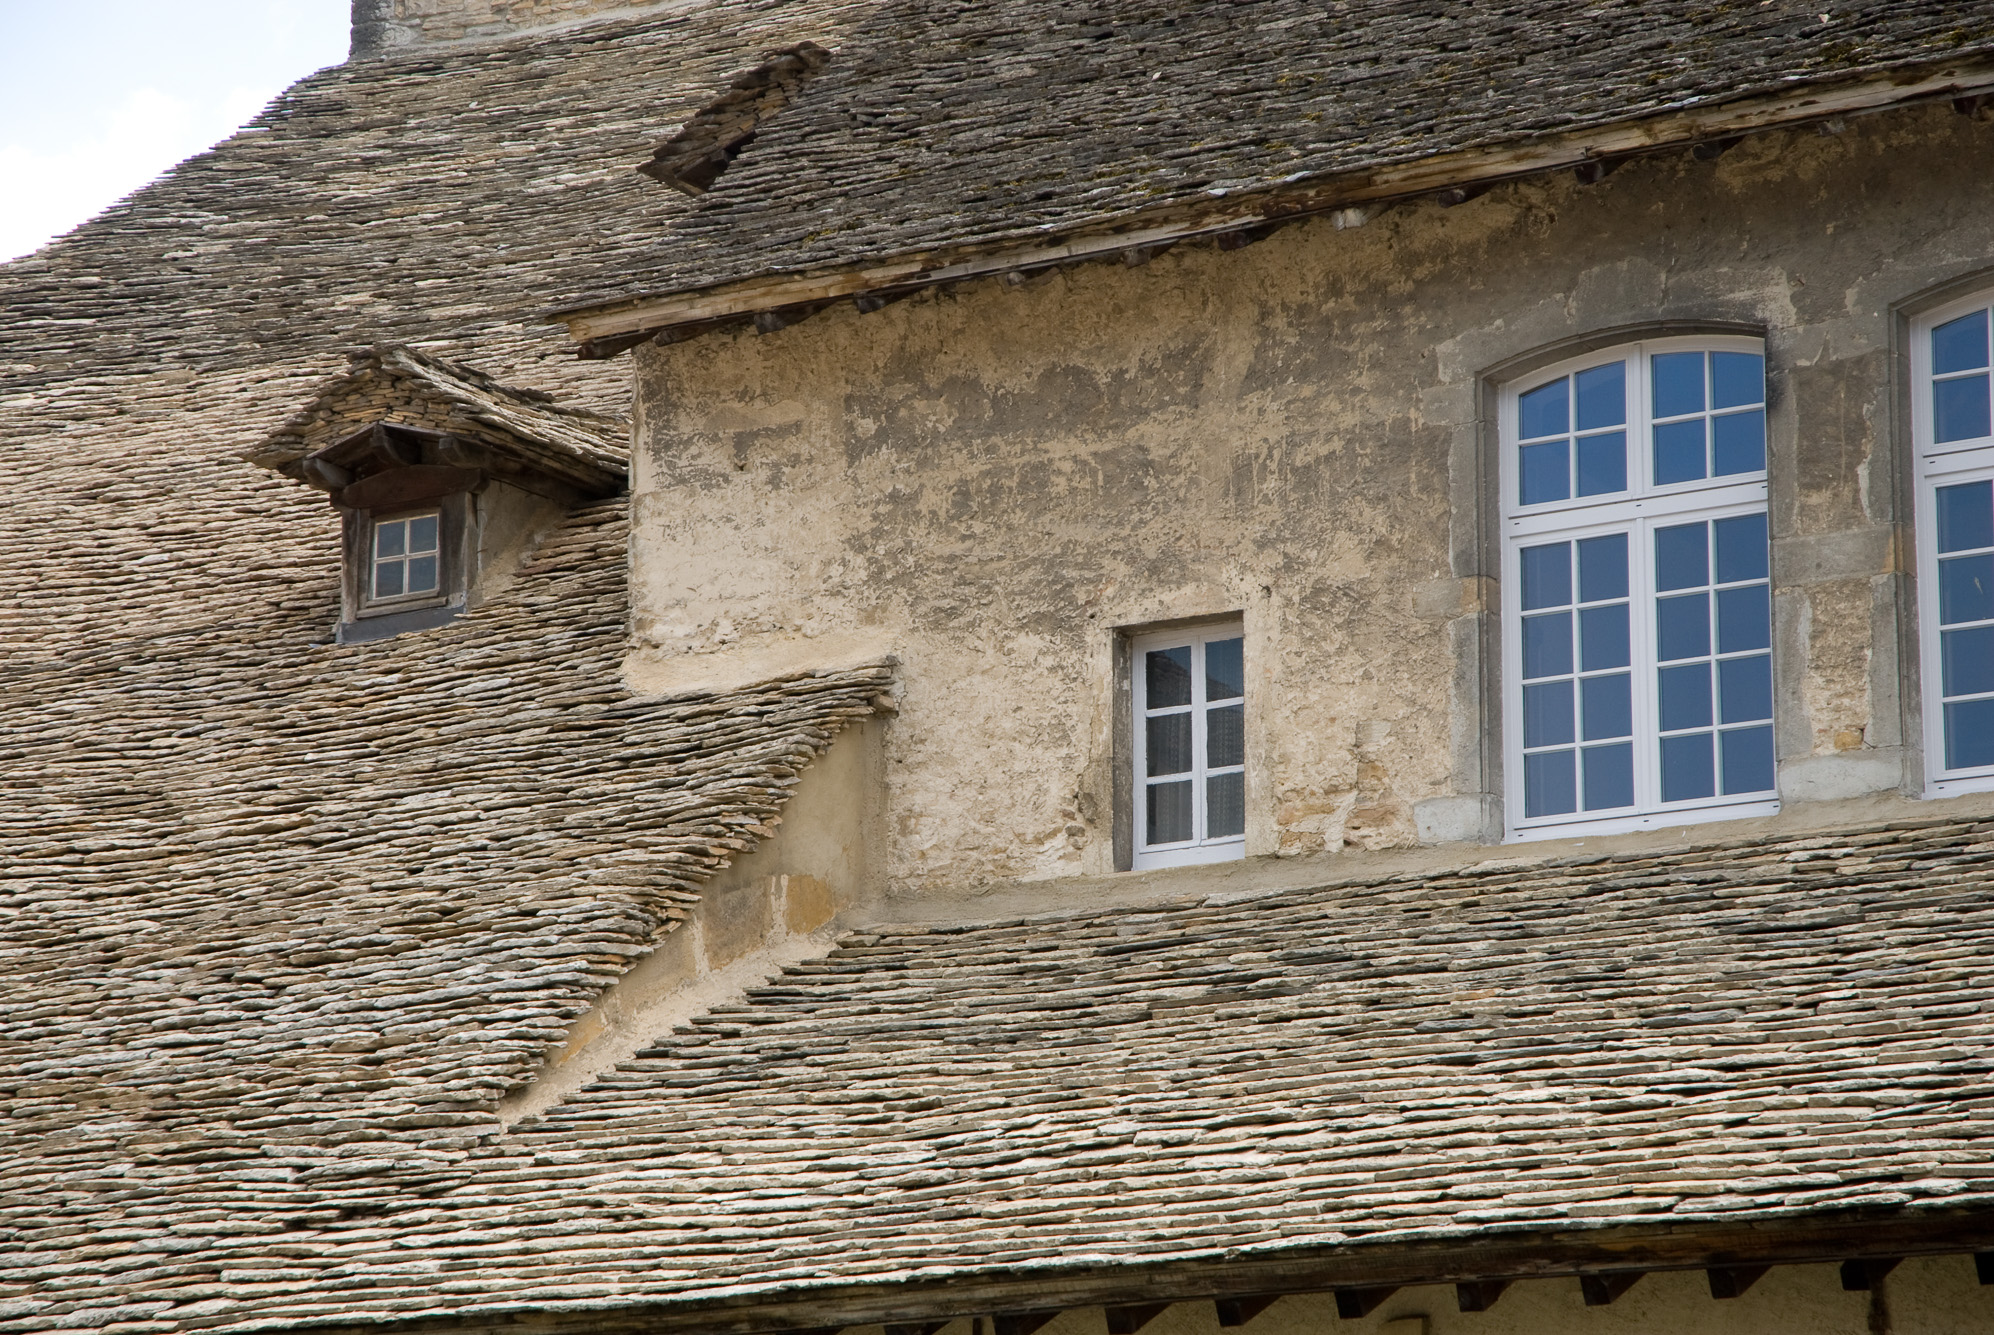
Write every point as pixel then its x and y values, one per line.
pixel 1357 1272
pixel 606 328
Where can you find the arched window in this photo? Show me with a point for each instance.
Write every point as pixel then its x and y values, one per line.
pixel 1952 428
pixel 1636 589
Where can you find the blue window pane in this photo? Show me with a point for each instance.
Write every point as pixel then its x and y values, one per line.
pixel 1544 411
pixel 1685 697
pixel 1970 734
pixel 1603 464
pixel 1744 620
pixel 1609 777
pixel 1738 443
pixel 1737 380
pixel 388 539
pixel 1959 409
pixel 1679 454
pixel 1678 383
pixel 1744 689
pixel 1687 771
pixel 1682 557
pixel 1607 707
pixel 1544 473
pixel 1966 517
pixel 1547 576
pixel 1225 670
pixel 1550 786
pixel 1547 714
pixel 1603 637
pixel 1966 589
pixel 422 533
pixel 1603 568
pixel 1547 646
pixel 1741 548
pixel 1960 345
pixel 1602 394
pixel 1682 627
pixel 1747 760
pixel 1967 661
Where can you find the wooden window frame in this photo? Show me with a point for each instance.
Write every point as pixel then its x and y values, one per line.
pixel 1201 848
pixel 1637 510
pixel 1936 465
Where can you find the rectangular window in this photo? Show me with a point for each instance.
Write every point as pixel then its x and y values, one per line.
pixel 1637 591
pixel 404 561
pixel 1189 692
pixel 1952 423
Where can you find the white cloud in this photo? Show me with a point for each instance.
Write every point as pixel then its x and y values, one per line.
pixel 133 142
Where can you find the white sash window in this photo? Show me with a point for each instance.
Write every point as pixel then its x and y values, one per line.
pixel 1189 691
pixel 1637 609
pixel 1952 428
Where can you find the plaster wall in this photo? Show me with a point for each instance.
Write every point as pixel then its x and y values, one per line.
pixel 993 481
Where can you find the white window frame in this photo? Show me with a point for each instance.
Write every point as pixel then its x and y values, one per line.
pixel 1200 848
pixel 1934 466
pixel 370 562
pixel 1637 511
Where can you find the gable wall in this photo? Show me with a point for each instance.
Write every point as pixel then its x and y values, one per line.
pixel 988 481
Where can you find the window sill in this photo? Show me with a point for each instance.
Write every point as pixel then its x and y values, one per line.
pixel 1654 820
pixel 1230 850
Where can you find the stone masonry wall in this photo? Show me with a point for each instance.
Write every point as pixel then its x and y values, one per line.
pixel 988 480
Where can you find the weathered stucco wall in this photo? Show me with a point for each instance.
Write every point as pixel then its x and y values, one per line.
pixel 989 481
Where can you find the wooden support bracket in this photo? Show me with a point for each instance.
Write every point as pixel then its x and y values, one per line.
pixel 1460 194
pixel 914 1327
pixel 1239 1311
pixel 1731 1281
pixel 1354 1303
pixel 1021 1323
pixel 1129 1320
pixel 1479 1295
pixel 1599 1290
pixel 1859 1276
pixel 1983 1266
pixel 1980 106
pixel 1241 238
pixel 1712 149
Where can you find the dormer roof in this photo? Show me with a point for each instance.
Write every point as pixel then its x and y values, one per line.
pixel 397 407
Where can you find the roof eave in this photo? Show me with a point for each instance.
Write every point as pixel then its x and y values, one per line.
pixel 606 327
pixel 1549 1249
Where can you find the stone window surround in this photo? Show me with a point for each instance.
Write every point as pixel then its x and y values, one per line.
pixel 1474 812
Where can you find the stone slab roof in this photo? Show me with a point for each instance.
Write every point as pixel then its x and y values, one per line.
pixel 412 388
pixel 280 920
pixel 942 128
pixel 1731 1035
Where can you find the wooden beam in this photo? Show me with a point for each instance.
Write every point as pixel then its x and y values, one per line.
pixel 1860 1276
pixel 1731 1281
pixel 1602 1289
pixel 1354 1303
pixel 591 325
pixel 1130 1319
pixel 1479 1295
pixel 1239 1311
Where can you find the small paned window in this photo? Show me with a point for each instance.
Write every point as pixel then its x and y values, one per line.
pixel 1636 588
pixel 405 557
pixel 1952 421
pixel 1189 690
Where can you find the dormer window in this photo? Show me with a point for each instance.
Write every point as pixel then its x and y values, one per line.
pixel 407 557
pixel 441 475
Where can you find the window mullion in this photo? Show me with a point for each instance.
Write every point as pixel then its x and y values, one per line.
pixel 1199 823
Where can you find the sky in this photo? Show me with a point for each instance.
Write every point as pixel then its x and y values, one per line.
pixel 99 97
